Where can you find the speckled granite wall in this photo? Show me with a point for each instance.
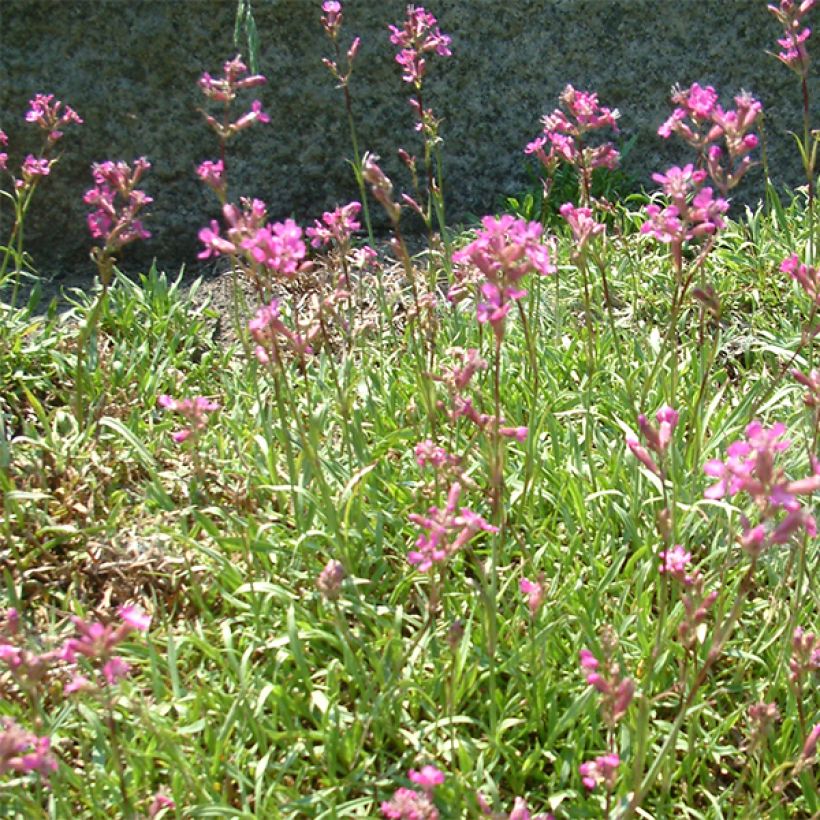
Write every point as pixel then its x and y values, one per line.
pixel 130 67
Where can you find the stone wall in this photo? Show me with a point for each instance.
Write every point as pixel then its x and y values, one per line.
pixel 130 67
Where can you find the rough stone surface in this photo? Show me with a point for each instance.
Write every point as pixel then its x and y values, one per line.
pixel 130 67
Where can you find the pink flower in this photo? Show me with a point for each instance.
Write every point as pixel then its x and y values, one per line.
pixel 805 659
pixel 581 223
pixel 117 201
pixel 428 778
pixel 675 562
pixel 115 669
pixel 793 52
pixel 806 276
pixel 271 333
pixel 332 18
pixel 447 531
pixel 213 175
pixel 23 752
pixel 224 89
pixel 505 250
pixel 642 454
pixel 336 226
pixel 34 167
pixel 407 804
pixel 419 35
pixel 278 247
pixel 534 590
pixel 135 618
pixel 567 137
pixel 160 803
pixel 602 770
pixel 48 117
pixel 330 580
pixel 195 411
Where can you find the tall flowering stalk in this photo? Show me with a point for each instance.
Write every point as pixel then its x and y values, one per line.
pixel 51 117
pixel 505 251
pixel 418 38
pixel 795 56
pixel 332 18
pixel 224 90
pixel 750 468
pixel 115 222
pixel 567 139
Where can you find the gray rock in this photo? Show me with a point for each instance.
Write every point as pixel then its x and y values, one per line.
pixel 130 69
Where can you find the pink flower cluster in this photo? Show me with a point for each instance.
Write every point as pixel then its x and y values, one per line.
pixel 118 201
pixel 4 157
pixel 457 378
pixel 329 582
pixel 332 18
pixel 657 439
pixel 23 752
pixel 97 643
pixel 505 250
pixel 790 14
pixel 337 226
pixel 224 89
pixel 602 770
pixel 701 121
pixel 806 276
pixel 534 591
pixel 278 248
pixel 805 659
pixel 213 175
pixel 267 328
pixel 32 168
pixel 750 468
pixel 47 115
pixel 419 35
pixel 694 211
pixel 195 411
pixel 583 226
pixel 332 23
pixel 446 531
pixel 409 804
pixel 565 134
pixel 616 690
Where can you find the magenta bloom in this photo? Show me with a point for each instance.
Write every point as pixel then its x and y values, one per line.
pixel 278 247
pixel 581 223
pixel 793 53
pixel 428 778
pixel 47 115
pixel 335 226
pixel 330 580
pixel 23 752
pixel 602 770
pixel 271 334
pixel 750 467
pixel 118 202
pixel 505 250
pixel 566 134
pixel 34 167
pixel 806 276
pixel 447 531
pixel 675 563
pixel 418 36
pixel 195 411
pixel 534 590
pixel 213 175
pixel 407 804
pixel 159 803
